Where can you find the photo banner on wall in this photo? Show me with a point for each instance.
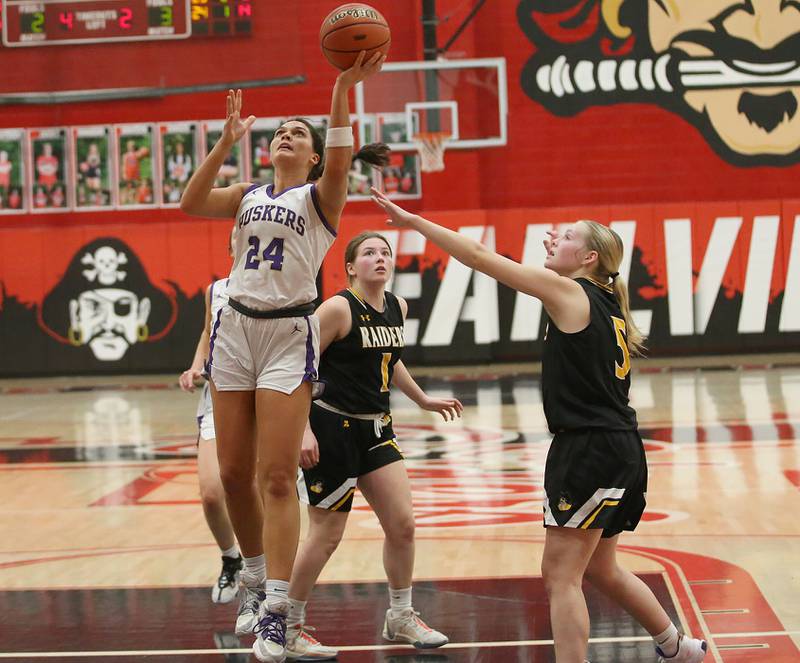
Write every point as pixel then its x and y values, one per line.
pixel 137 169
pixel 12 171
pixel 48 159
pixel 92 167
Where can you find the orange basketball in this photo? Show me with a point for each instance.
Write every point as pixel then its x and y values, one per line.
pixel 350 29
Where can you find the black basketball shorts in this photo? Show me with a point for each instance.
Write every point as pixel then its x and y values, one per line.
pixel 348 449
pixel 595 479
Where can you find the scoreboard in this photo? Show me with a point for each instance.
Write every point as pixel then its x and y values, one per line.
pixel 53 22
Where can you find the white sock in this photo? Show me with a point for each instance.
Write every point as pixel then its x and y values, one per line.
pixel 278 595
pixel 667 641
pixel 399 600
pixel 233 551
pixel 255 570
pixel 297 612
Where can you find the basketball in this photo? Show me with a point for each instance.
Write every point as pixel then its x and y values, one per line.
pixel 350 29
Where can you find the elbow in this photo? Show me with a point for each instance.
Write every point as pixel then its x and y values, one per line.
pixel 186 204
pixel 478 256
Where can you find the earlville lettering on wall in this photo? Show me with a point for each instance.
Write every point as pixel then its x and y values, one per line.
pixel 355 13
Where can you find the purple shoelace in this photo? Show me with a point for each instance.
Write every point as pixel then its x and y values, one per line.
pixel 272 626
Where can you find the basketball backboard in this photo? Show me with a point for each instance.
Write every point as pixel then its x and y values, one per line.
pixel 467 99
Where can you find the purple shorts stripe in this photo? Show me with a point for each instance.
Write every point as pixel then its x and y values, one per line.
pixel 211 344
pixel 315 199
pixel 310 373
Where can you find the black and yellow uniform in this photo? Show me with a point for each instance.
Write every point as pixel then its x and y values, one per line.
pixel 596 472
pixel 351 420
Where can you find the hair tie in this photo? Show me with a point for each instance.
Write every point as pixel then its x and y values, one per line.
pixel 614 275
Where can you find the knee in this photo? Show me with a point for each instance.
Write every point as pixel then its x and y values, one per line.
pixel 601 575
pixel 278 483
pixel 212 497
pixel 556 578
pixel 234 480
pixel 328 541
pixel 401 531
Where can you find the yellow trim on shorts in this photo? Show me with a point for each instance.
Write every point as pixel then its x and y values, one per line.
pixel 586 523
pixel 392 442
pixel 341 502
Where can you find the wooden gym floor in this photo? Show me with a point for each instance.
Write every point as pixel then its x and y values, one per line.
pixel 105 554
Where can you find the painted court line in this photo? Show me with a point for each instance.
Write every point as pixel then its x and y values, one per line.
pixel 452 645
pixel 201 652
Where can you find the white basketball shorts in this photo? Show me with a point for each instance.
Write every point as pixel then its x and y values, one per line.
pixel 255 353
pixel 205 415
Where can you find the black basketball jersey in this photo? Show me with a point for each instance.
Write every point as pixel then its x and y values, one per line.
pixel 357 369
pixel 586 375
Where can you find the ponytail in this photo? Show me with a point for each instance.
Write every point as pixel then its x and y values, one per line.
pixel 609 248
pixel 634 336
pixel 375 154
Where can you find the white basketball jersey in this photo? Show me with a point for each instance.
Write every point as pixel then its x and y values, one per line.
pixel 279 243
pixel 218 297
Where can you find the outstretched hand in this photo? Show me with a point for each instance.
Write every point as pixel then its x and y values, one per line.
pixel 449 408
pixel 234 127
pixel 397 215
pixel 361 69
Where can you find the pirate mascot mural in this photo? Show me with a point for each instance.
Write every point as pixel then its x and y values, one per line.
pixel 732 68
pixel 106 303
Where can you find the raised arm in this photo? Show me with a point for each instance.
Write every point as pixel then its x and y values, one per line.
pixel 200 198
pixel 332 186
pixel 563 298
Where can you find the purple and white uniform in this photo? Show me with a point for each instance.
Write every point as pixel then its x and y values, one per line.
pixel 267 337
pixel 218 297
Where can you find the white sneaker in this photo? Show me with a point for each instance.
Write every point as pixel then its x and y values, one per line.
pixel 270 644
pixel 690 650
pixel 227 587
pixel 408 627
pixel 302 646
pixel 250 600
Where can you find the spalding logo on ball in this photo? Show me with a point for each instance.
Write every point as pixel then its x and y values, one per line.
pixel 350 29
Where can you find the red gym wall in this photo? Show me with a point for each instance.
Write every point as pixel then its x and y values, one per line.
pixel 710 230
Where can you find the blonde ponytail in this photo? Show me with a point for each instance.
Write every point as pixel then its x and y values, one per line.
pixel 634 336
pixel 609 248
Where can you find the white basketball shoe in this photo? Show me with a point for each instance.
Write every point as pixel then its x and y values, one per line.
pixel 302 646
pixel 408 627
pixel 690 650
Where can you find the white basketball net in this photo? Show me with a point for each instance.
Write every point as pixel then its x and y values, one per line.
pixel 430 147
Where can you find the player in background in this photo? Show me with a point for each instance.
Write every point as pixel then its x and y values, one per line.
pixel 350 443
pixel 212 494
